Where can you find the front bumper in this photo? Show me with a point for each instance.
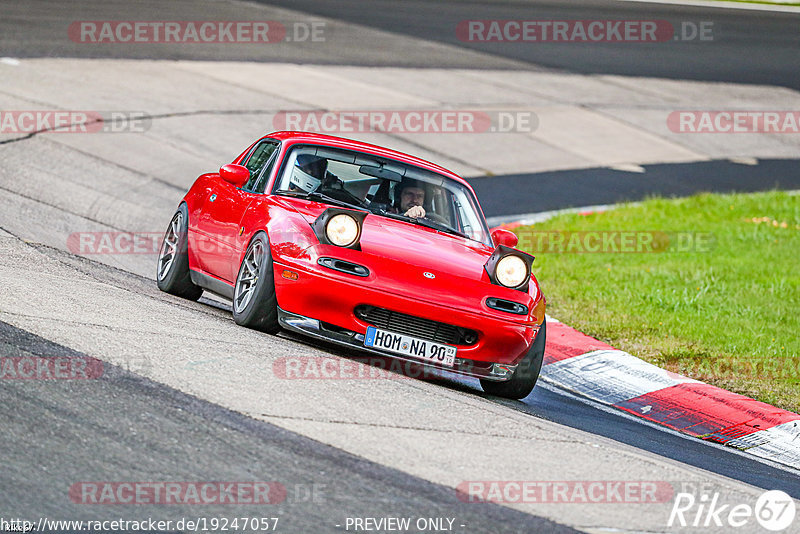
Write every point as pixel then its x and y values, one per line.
pixel 496 372
pixel 332 297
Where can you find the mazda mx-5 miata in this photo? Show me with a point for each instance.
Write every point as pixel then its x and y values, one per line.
pixel 364 247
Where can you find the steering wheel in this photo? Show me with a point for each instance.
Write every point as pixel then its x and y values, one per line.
pixel 435 217
pixel 352 198
pixel 340 193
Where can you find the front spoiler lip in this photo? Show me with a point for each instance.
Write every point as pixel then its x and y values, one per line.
pixel 311 327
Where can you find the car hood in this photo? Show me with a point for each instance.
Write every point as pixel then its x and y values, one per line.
pixel 413 244
pixel 406 259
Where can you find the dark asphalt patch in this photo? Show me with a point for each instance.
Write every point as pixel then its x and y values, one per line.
pixel 515 194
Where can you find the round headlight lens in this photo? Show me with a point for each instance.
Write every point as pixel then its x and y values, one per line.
pixel 511 271
pixel 342 230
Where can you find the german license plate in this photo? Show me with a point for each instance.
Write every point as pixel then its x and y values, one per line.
pixel 410 346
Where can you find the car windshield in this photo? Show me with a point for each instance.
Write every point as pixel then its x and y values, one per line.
pixel 384 187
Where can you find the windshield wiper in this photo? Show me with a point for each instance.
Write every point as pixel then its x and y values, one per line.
pixel 437 226
pixel 427 223
pixel 315 195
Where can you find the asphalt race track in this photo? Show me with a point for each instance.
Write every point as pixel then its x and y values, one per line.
pixel 591 187
pixel 187 396
pixel 759 48
pixel 176 434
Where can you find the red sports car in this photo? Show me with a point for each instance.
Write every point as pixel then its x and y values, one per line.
pixel 365 247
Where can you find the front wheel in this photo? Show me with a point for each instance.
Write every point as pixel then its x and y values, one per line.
pixel 525 375
pixel 254 302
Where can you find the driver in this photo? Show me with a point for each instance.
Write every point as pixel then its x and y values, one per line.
pixel 313 165
pixel 409 197
pixel 313 174
pixel 311 169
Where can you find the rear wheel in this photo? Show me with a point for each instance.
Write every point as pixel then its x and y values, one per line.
pixel 254 302
pixel 172 272
pixel 525 375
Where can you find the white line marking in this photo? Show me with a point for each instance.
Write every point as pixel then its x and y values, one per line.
pixel 627 167
pixel 723 5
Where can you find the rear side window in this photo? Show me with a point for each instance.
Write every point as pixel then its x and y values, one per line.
pixel 257 160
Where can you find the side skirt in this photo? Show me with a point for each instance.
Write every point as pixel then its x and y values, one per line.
pixel 214 285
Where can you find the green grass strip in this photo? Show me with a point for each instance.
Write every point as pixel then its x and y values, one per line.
pixel 706 286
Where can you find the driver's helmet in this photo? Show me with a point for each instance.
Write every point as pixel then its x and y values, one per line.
pixel 308 172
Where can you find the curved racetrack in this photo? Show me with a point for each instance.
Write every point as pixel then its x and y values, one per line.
pixel 188 396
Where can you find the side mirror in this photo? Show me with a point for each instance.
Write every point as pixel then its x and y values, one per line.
pixel 504 237
pixel 234 174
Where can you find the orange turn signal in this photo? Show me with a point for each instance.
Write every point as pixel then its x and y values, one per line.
pixel 289 275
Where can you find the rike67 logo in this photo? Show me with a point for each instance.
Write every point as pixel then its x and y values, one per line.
pixel 774 511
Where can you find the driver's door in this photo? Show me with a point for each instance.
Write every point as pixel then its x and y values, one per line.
pixel 224 209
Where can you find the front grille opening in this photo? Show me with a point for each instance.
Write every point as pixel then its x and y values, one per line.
pixel 416 326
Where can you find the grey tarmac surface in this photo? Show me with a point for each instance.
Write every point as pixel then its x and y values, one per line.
pixel 193 369
pixel 124 427
pixel 39 28
pixel 757 47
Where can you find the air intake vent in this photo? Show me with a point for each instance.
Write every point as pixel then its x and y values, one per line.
pixel 507 306
pixel 344 266
pixel 416 326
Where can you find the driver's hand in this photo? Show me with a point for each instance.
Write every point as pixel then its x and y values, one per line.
pixel 415 212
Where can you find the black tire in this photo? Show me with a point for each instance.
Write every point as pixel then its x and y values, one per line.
pixel 525 375
pixel 254 302
pixel 172 269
